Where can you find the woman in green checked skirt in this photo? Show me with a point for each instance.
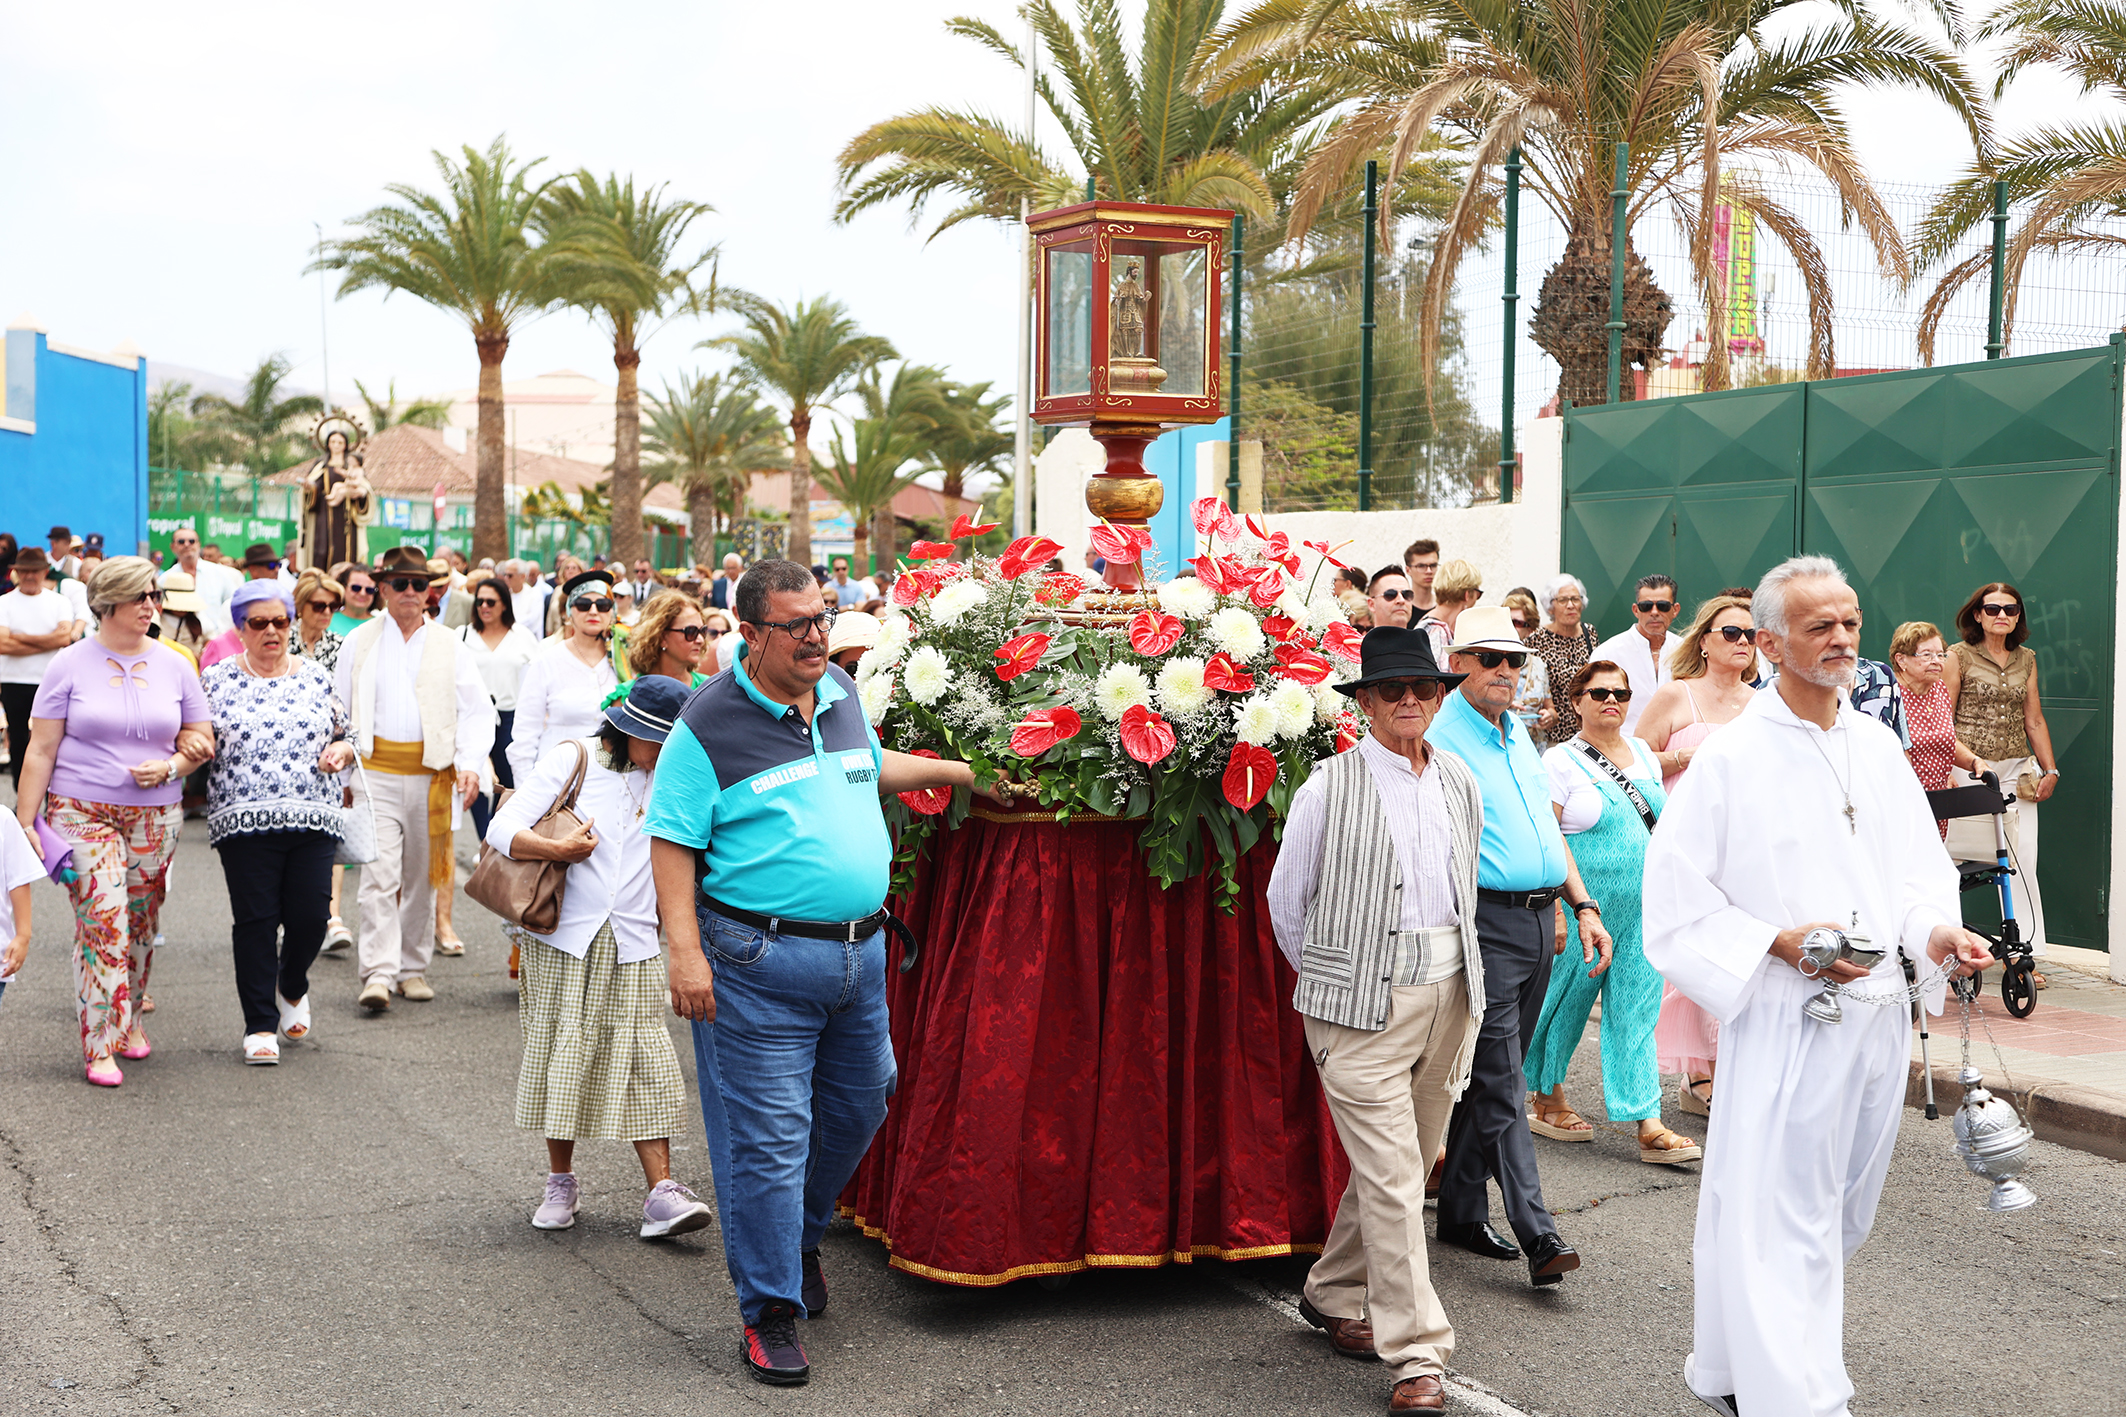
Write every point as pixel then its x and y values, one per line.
pixel 598 1058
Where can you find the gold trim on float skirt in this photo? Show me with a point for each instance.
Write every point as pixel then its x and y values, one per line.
pixel 991 814
pixel 1077 1266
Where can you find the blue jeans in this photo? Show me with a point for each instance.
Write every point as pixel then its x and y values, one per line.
pixel 795 1072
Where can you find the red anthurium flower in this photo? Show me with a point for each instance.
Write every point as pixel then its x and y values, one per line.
pixel 1024 555
pixel 963 525
pixel 1115 544
pixel 1248 774
pixel 1346 734
pixel 1281 628
pixel 1269 584
pixel 913 586
pixel 1145 735
pixel 1341 639
pixel 1212 572
pixel 930 551
pixel 1042 729
pixel 1256 527
pixel 1153 633
pixel 1016 656
pixel 1059 588
pixel 1226 676
pixel 1280 550
pixel 1300 666
pixel 1209 513
pixel 1328 552
pixel 928 800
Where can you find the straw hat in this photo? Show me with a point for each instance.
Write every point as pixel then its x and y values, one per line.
pixel 180 595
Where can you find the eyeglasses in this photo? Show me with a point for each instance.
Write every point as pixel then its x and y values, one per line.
pixel 1424 565
pixel 267 622
pixel 1520 624
pixel 692 632
pixel 1492 659
pixel 402 584
pixel 1927 656
pixel 146 595
pixel 603 604
pixel 1736 634
pixel 1604 694
pixel 2009 612
pixel 1391 691
pixel 717 634
pixel 322 607
pixel 1570 600
pixel 1398 594
pixel 487 602
pixel 804 627
pixel 362 590
pixel 1659 607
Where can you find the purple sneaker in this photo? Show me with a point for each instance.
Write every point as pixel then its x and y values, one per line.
pixel 558 1210
pixel 672 1209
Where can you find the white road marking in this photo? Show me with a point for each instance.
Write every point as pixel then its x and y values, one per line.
pixel 1469 1392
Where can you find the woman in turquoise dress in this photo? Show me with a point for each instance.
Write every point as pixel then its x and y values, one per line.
pixel 1606 790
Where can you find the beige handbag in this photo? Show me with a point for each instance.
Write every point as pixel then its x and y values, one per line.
pixel 528 893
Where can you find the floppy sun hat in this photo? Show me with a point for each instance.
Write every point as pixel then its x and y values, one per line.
pixel 648 708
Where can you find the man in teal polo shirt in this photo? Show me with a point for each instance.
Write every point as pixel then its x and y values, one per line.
pixel 1523 867
pixel 790 1030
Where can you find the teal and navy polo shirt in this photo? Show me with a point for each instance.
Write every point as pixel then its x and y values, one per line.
pixel 786 815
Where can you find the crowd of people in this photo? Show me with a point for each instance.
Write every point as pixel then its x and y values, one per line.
pixel 1516 773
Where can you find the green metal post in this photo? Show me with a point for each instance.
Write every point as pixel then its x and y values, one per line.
pixel 1511 333
pixel 1089 188
pixel 1365 344
pixel 1232 390
pixel 1996 345
pixel 1618 220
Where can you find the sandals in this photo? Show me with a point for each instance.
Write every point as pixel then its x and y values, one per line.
pixel 1667 1148
pixel 261 1049
pixel 1689 1099
pixel 450 949
pixel 104 1073
pixel 1540 1122
pixel 295 1017
pixel 136 1050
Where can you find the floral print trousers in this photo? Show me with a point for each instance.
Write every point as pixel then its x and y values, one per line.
pixel 122 865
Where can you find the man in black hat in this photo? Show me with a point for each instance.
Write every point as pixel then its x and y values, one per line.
pixel 260 564
pixel 1373 903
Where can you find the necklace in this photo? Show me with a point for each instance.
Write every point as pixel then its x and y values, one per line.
pixel 255 672
pixel 639 803
pixel 1846 786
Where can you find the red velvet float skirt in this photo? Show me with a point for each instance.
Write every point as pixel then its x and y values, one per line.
pixel 1093 1071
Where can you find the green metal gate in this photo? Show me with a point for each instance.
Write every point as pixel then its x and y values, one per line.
pixel 1924 484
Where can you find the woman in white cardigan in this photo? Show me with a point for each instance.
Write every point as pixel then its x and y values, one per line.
pixel 568 678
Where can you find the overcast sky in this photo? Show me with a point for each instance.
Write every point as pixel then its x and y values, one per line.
pixel 163 165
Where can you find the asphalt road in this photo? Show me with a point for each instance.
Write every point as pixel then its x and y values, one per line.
pixel 348 1233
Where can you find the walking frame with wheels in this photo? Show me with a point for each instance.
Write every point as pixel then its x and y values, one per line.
pixel 2009 946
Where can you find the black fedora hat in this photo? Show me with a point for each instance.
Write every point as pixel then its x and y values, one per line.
pixel 1390 652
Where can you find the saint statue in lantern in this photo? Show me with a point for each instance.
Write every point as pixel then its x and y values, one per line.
pixel 1131 303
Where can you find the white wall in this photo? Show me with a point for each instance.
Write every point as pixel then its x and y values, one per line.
pixel 1059 492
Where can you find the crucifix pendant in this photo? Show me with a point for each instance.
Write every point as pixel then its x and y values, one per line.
pixel 1852 827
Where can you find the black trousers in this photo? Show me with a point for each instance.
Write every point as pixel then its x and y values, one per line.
pixel 15 701
pixel 280 894
pixel 483 806
pixel 1489 1134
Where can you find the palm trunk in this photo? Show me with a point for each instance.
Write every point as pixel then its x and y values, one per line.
pixel 798 547
pixel 884 536
pixel 1571 319
pixel 860 542
pixel 701 512
pixel 627 455
pixel 490 519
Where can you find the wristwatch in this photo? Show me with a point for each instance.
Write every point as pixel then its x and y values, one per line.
pixel 1588 904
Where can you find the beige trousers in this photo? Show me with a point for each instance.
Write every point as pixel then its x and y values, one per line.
pixel 1387 1092
pixel 397 935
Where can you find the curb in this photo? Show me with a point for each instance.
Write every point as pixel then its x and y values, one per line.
pixel 2064 1113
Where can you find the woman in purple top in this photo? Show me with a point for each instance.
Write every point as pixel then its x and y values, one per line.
pixel 118 722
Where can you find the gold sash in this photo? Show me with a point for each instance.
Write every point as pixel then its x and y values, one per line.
pixel 404 760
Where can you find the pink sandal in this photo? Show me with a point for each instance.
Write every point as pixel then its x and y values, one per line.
pixel 104 1073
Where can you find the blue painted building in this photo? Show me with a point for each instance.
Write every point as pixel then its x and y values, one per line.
pixel 1172 459
pixel 73 440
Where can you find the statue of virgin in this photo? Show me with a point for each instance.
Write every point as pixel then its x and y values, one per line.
pixel 336 501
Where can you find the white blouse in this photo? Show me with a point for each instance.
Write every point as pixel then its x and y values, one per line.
pixel 557 699
pixel 1573 780
pixel 501 668
pixel 613 882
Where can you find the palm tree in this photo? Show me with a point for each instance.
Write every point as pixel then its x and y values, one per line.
pixel 1133 123
pixel 709 434
pixel 966 437
pixel 175 440
pixel 2071 177
pixel 810 353
pixel 468 251
pixel 1692 85
pixel 253 432
pixel 421 413
pixel 884 452
pixel 624 269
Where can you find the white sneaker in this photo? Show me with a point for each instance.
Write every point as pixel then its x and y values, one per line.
pixel 1724 1405
pixel 672 1209
pixel 558 1210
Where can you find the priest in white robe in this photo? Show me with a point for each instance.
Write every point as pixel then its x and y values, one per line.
pixel 1802 812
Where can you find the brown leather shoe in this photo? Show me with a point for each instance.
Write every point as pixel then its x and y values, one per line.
pixel 1422 1393
pixel 1353 1338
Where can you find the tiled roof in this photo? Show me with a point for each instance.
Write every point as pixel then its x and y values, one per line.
pixel 407 461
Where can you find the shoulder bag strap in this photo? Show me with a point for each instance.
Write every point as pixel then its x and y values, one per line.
pixel 1594 755
pixel 567 799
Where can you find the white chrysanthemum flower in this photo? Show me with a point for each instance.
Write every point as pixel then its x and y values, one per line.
pixel 1292 605
pixel 955 600
pixel 1120 688
pixel 866 665
pixel 1238 633
pixel 1188 597
pixel 1329 701
pixel 927 676
pixel 1322 612
pixel 875 694
pixel 1255 721
pixel 1182 691
pixel 1294 707
pixel 893 637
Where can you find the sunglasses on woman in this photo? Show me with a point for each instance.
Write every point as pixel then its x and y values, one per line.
pixel 322 607
pixel 1604 694
pixel 488 602
pixel 362 590
pixel 603 604
pixel 1391 691
pixel 2006 612
pixel 1737 634
pixel 693 633
pixel 267 622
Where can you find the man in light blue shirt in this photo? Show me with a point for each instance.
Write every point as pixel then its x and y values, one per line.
pixel 1523 869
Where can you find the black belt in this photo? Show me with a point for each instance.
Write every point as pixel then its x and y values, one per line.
pixel 846 931
pixel 1522 900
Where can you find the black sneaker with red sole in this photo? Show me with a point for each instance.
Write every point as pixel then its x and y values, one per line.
pixel 771 1347
pixel 814 1292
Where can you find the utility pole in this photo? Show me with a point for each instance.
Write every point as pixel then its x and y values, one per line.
pixel 1365 344
pixel 1511 331
pixel 324 347
pixel 1996 343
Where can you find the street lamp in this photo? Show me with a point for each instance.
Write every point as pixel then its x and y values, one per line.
pixel 1128 344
